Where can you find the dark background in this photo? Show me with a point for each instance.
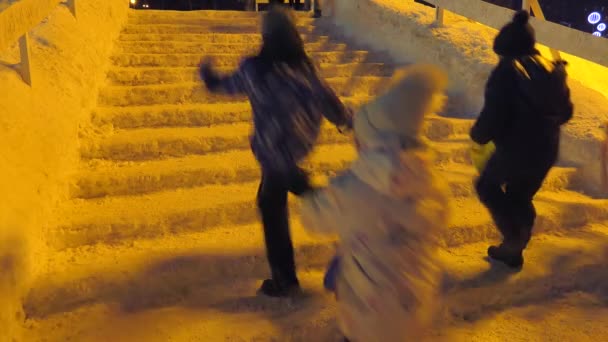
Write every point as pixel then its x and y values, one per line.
pixel 572 13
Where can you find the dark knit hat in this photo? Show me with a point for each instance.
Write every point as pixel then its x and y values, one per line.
pixel 517 38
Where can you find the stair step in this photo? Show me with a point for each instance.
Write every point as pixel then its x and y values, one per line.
pixel 154 15
pixel 196 92
pixel 154 143
pixel 116 219
pixel 146 143
pixel 231 60
pixel 158 47
pixel 205 26
pixel 184 115
pixel 172 115
pixel 209 20
pixel 106 178
pixel 193 267
pixel 212 37
pixel 163 75
pixel 211 257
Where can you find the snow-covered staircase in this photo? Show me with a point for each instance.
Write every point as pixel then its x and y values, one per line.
pixel 161 241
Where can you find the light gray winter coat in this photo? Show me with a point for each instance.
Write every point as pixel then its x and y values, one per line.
pixel 388 210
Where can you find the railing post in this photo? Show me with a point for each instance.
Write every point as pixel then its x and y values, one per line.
pixel 257 6
pixel 72 7
pixel 538 12
pixel 525 5
pixel 438 16
pixel 24 53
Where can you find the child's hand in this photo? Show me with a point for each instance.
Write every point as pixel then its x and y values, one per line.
pixel 348 125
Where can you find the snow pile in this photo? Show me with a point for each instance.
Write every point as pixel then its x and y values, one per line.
pixel 40 130
pixel 405 29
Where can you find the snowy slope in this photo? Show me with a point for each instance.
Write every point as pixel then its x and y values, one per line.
pixel 464 48
pixel 160 240
pixel 39 129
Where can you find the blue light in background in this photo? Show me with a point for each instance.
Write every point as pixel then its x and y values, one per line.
pixel 594 18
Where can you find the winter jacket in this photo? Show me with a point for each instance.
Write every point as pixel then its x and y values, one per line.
pixel 288 106
pixel 524 131
pixel 388 210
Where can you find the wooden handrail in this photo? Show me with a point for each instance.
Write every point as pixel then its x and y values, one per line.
pixel 18 19
pixel 556 37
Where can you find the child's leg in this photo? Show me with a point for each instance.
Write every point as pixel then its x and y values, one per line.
pixel 272 201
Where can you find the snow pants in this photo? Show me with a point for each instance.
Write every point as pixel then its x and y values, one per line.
pixel 272 203
pixel 507 191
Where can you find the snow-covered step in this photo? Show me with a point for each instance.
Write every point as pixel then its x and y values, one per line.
pixel 175 270
pixel 184 115
pixel 204 26
pixel 115 219
pixel 149 47
pixel 213 20
pixel 155 15
pixel 212 37
pixel 229 59
pixel 163 75
pixel 181 309
pixel 201 114
pixel 196 92
pixel 107 178
pixel 171 115
pixel 461 178
pixel 198 259
pixel 255 20
pixel 151 143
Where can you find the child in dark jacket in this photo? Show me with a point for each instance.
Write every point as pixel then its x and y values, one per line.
pixel 523 119
pixel 289 101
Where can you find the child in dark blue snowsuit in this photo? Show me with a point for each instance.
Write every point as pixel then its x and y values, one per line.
pixel 289 101
pixel 526 102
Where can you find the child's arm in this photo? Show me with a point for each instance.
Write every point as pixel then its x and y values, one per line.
pixel 333 108
pixel 494 114
pixel 232 85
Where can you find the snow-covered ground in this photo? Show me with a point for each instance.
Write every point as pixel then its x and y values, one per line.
pixel 39 127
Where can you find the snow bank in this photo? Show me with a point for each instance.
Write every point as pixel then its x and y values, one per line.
pixel 405 30
pixel 40 128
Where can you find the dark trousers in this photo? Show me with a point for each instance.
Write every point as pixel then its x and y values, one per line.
pixel 507 191
pixel 272 203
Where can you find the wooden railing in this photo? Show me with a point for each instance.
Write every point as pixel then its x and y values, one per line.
pixel 556 37
pixel 18 19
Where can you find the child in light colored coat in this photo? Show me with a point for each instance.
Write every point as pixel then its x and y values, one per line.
pixel 388 210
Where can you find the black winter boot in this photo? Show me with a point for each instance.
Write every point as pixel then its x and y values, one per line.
pixel 274 288
pixel 511 249
pixel 510 256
